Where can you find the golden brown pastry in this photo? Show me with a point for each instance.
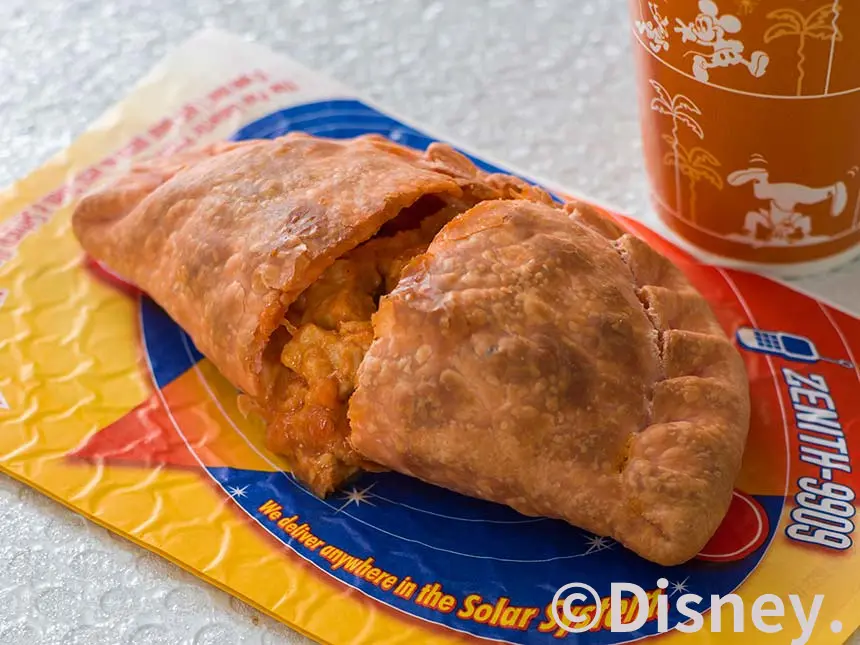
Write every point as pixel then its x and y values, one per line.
pixel 260 251
pixel 542 358
pixel 526 353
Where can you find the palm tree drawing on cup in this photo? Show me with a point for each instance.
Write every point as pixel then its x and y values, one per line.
pixel 680 109
pixel 696 164
pixel 818 25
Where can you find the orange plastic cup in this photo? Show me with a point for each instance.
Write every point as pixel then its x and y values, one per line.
pixel 751 127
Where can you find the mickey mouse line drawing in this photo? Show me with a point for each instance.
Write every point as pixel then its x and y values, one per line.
pixel 709 29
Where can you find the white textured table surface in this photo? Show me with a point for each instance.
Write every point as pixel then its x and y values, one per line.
pixel 546 85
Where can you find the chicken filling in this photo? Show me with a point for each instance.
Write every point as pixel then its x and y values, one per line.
pixel 327 332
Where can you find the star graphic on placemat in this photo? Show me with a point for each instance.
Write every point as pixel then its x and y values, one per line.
pixel 357 497
pixel 598 543
pixel 235 491
pixel 679 587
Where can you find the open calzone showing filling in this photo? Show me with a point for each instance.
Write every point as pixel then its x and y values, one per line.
pixel 382 307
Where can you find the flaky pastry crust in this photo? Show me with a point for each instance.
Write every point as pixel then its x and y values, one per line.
pixel 544 359
pixel 224 244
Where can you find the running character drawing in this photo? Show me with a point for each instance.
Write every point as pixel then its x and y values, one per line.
pixel 781 223
pixel 709 30
pixel 655 31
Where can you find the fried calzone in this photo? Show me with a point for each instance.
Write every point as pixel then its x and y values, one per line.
pixel 272 255
pixel 382 307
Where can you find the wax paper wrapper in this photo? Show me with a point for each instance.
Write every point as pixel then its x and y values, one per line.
pixel 109 408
